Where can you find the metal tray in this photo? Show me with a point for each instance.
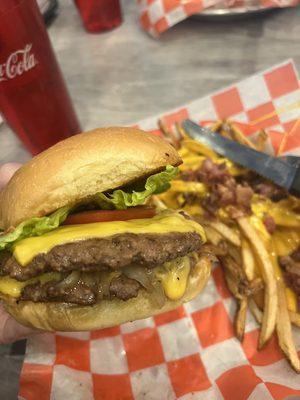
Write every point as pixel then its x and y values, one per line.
pixel 221 12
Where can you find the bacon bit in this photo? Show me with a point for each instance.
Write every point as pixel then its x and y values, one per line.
pixel 269 224
pixel 224 190
pixel 244 195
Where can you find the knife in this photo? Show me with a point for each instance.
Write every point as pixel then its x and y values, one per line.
pixel 285 172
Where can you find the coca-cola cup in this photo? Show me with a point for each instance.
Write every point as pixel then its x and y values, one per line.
pixel 34 99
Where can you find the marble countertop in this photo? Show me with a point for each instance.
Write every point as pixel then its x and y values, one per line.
pixel 125 75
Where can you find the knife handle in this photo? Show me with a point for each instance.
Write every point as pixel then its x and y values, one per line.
pixel 295 187
pixel 293 160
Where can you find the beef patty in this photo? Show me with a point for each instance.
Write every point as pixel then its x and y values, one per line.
pixel 98 254
pixel 81 293
pixel 88 288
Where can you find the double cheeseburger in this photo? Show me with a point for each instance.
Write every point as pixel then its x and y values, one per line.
pixel 82 247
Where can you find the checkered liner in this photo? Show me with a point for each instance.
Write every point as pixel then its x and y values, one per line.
pixel 191 352
pixel 156 16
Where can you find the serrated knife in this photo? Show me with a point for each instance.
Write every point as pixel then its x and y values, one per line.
pixel 285 172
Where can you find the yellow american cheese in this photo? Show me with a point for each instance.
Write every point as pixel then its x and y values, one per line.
pixel 25 250
pixel 174 277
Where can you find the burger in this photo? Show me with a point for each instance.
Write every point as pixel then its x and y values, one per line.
pixel 84 247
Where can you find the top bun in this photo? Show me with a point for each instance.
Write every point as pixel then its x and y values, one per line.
pixel 80 166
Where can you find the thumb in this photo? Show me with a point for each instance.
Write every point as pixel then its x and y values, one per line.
pixel 6 172
pixel 11 330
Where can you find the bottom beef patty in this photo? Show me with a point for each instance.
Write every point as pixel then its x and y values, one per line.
pixel 87 288
pixel 113 252
pixel 81 293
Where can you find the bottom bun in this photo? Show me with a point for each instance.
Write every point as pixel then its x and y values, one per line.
pixel 105 314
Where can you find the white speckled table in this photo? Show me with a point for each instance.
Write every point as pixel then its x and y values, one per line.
pixel 124 75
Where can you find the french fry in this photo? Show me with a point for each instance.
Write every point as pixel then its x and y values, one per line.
pixel 285 218
pixel 226 232
pixel 170 199
pixel 212 235
pixel 183 152
pixel 235 253
pixel 244 287
pixel 284 329
pixel 255 286
pixel 168 134
pixel 282 214
pixel 257 313
pixel 216 126
pixel 181 132
pixel 234 169
pixel 163 128
pixel 232 285
pixel 232 268
pixel 295 318
pixel 188 187
pixel 285 240
pixel 226 130
pixel 261 140
pixel 240 318
pixel 225 133
pixel 192 161
pixel 160 205
pixel 291 299
pixel 259 297
pixel 248 260
pixel 193 209
pixel 200 149
pixel 240 137
pixel 270 301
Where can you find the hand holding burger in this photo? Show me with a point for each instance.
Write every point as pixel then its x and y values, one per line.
pixel 10 329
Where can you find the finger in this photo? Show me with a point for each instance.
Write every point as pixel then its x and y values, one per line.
pixel 6 172
pixel 11 330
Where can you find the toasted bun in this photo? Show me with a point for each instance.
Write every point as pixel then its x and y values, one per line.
pixel 65 317
pixel 79 167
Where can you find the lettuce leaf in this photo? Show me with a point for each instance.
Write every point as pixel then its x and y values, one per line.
pixel 34 227
pixel 155 184
pixel 119 200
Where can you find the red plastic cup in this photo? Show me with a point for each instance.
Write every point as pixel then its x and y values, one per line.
pixel 99 15
pixel 34 99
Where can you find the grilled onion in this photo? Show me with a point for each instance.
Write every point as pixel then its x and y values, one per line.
pixel 105 279
pixel 160 298
pixel 148 280
pixel 139 274
pixel 70 281
pixel 90 278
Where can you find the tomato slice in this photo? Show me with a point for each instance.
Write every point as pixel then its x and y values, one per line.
pixel 87 217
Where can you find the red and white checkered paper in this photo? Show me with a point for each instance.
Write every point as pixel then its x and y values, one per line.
pixel 191 352
pixel 156 16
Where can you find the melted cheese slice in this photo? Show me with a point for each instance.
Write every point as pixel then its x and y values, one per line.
pixel 174 277
pixel 25 250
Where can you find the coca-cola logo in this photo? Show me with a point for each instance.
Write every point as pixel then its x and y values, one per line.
pixel 17 63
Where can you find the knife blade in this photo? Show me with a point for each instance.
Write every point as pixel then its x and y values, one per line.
pixel 283 173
